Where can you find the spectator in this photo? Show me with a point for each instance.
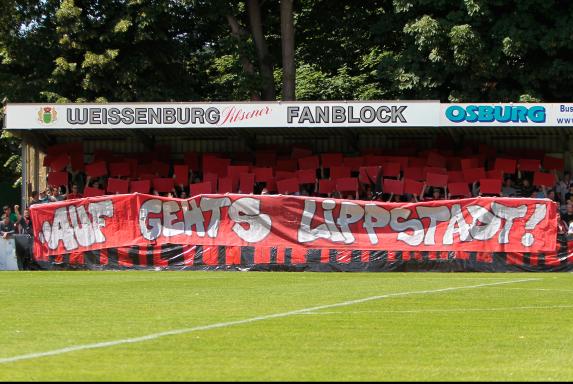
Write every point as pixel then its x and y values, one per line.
pixel 74 194
pixel 11 215
pixel 24 225
pixel 508 190
pixel 35 198
pixel 568 215
pixel 44 198
pixel 563 187
pixel 6 227
pixel 57 194
pixel 526 189
pixel 435 194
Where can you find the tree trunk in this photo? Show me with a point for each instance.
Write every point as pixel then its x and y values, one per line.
pixel 266 68
pixel 287 39
pixel 238 33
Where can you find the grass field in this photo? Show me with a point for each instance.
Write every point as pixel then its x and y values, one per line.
pixel 368 326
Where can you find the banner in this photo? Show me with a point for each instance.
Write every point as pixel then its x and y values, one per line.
pixel 484 224
pixel 223 115
pixel 346 114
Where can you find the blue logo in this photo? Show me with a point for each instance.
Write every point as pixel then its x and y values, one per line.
pixel 498 113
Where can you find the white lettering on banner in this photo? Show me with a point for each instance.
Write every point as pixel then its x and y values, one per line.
pixel 214 205
pixel 509 214
pixel 337 221
pixel 179 217
pixel 71 226
pixel 375 217
pixel 350 213
pixel 322 231
pixel 457 225
pixel 484 225
pixel 402 226
pixel 435 214
pixel 248 210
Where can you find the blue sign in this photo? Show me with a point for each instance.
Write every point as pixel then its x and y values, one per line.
pixel 498 113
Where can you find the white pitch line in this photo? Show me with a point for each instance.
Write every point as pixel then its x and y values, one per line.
pixel 239 322
pixel 443 310
pixel 542 289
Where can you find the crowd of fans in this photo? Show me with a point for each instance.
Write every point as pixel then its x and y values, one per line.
pixel 369 186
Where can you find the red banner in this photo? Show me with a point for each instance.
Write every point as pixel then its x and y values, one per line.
pixel 485 224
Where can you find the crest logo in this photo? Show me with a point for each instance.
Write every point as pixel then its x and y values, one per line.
pixel 47 115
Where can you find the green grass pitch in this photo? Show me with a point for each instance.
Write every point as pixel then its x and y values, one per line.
pixel 371 326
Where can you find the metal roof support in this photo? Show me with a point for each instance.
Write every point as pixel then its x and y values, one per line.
pixel 38 139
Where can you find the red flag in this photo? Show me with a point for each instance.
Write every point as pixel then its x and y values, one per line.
pixel 331 159
pixel 458 189
pixel 470 163
pixel 373 160
pixel 438 170
pixel 414 173
pixel 247 182
pixel 310 162
pixel 160 168
pixel 96 169
pixel 436 160
pixel 474 174
pixel 393 186
pixel 337 172
pixel 354 163
pixel 192 160
pixel 93 192
pixel 368 175
pixel 413 187
pixel 456 176
pixel 289 165
pixel 77 161
pixel 139 186
pixel 494 174
pixel 119 169
pixel 59 163
pixel 551 163
pixel 347 184
pixel 529 165
pixel 391 169
pixel 117 186
pixel 226 185
pixel 58 178
pixel 306 176
pixel 181 174
pixel 505 165
pixel 326 186
pixel 288 186
pixel 436 179
pixel 263 174
pixel 200 188
pixel 281 175
pixel 490 186
pixel 544 179
pixel 163 184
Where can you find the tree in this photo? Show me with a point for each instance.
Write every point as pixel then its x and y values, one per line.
pixel 287 40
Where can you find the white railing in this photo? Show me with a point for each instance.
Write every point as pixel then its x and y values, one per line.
pixel 8 261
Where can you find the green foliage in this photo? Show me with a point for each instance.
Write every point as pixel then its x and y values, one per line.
pixel 147 50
